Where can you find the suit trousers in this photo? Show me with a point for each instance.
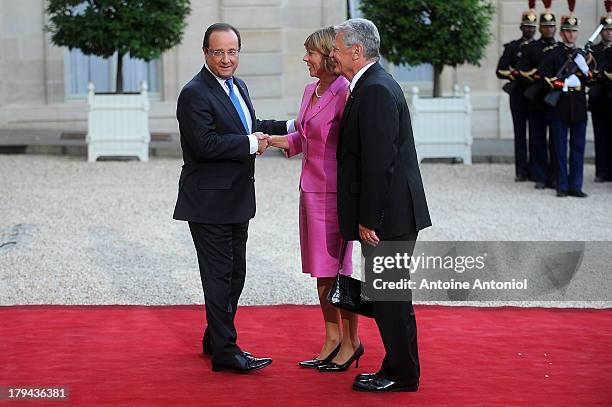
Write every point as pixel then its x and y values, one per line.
pixel 520 115
pixel 221 253
pixel 398 329
pixel 602 132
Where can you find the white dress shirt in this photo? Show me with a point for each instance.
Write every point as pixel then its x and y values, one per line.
pixel 359 74
pixel 254 143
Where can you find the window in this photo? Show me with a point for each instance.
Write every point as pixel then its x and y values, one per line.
pixel 83 68
pixel 417 74
pixel 420 75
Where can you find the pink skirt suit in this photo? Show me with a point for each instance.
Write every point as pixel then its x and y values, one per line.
pixel 317 139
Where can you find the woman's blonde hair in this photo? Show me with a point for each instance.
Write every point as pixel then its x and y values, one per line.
pixel 322 41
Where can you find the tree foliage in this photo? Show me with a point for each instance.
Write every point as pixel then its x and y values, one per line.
pixel 141 28
pixel 437 32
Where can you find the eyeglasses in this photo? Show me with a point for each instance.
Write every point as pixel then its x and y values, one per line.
pixel 231 53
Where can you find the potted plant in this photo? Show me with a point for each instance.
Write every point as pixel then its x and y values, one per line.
pixel 118 122
pixel 440 33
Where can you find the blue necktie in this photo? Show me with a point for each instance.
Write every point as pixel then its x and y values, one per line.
pixel 236 103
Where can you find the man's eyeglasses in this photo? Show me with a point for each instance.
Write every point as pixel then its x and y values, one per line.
pixel 217 53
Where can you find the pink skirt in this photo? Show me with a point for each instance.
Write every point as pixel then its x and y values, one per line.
pixel 320 239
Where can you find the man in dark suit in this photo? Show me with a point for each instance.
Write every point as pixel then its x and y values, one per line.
pixel 220 137
pixel 380 191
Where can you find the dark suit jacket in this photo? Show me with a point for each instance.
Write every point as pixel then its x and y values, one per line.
pixel 217 181
pixel 379 182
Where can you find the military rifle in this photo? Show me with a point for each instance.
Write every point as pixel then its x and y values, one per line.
pixel 601 84
pixel 533 91
pixel 509 87
pixel 569 68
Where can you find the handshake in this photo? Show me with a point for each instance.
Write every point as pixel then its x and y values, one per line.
pixel 265 140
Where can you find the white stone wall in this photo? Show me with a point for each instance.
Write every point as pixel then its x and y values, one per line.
pixel 32 71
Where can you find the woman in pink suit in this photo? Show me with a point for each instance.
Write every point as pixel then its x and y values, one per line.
pixel 321 244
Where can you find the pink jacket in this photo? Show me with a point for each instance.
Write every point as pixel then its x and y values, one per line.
pixel 317 135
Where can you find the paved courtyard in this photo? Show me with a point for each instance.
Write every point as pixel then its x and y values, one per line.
pixel 102 233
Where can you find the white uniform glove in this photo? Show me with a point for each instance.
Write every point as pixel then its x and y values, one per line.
pixel 572 81
pixel 581 63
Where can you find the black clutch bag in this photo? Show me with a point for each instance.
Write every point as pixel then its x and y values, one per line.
pixel 346 292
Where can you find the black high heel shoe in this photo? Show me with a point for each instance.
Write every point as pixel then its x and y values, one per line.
pixel 313 363
pixel 334 367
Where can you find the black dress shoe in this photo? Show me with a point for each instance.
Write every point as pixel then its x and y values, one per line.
pixel 242 364
pixel 600 179
pixel 365 376
pixel 382 384
pixel 318 362
pixel 561 194
pixel 334 367
pixel 540 185
pixel 207 347
pixel 520 178
pixel 577 194
pixel 208 352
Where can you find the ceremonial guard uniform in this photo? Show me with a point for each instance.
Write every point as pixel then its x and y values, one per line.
pixel 542 158
pixel 570 113
pixel 600 100
pixel 507 68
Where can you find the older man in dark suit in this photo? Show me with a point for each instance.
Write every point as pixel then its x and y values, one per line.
pixel 220 137
pixel 380 192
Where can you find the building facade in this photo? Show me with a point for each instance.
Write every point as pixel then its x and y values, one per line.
pixel 43 86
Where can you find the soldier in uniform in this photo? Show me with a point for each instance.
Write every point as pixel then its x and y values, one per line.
pixel 570 113
pixel 540 137
pixel 600 100
pixel 507 68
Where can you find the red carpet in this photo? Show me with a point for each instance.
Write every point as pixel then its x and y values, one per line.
pixel 149 356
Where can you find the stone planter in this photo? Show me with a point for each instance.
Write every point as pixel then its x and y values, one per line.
pixel 442 126
pixel 118 124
